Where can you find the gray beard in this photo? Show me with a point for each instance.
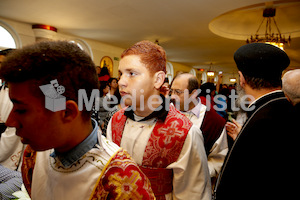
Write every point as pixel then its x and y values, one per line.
pixel 240 100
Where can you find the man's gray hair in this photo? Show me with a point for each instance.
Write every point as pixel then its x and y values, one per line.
pixel 291 85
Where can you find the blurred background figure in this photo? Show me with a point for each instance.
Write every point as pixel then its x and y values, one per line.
pixel 104 74
pixel 291 87
pixel 114 100
pixel 98 70
pixel 233 126
pixel 113 95
pixel 102 111
pixel 207 93
pixel 165 88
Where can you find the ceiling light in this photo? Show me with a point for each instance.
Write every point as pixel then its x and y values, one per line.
pixel 232 80
pixel 270 36
pixel 210 73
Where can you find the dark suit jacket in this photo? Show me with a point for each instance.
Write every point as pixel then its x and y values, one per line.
pixel 297 107
pixel 259 164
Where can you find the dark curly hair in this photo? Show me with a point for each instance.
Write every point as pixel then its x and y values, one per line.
pixel 50 60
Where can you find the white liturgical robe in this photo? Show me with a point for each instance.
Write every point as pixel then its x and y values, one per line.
pixel 191 175
pixel 219 149
pixel 51 180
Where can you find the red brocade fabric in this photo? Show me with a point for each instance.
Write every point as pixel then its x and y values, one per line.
pixel 163 148
pixel 27 167
pixel 122 179
pixel 118 123
pixel 161 180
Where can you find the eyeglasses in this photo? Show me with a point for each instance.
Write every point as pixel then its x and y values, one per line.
pixel 176 91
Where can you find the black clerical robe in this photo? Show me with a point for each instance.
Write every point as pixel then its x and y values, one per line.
pixel 259 164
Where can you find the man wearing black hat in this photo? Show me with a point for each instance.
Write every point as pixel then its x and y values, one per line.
pixel 258 165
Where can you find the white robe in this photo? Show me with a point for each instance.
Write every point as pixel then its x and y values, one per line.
pixel 191 176
pixel 51 181
pixel 11 149
pixel 219 150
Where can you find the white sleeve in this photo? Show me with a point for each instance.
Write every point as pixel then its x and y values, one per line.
pixel 108 131
pixel 191 175
pixel 10 148
pixel 217 154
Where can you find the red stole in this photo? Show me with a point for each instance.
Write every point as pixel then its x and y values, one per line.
pixel 163 148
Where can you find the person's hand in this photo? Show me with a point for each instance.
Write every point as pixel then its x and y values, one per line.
pixel 220 78
pixel 233 128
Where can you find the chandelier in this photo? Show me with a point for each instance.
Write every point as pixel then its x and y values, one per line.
pixel 276 39
pixel 210 72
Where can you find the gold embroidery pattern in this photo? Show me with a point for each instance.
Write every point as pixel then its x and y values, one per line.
pixel 88 158
pixel 126 187
pixel 123 179
pixel 27 167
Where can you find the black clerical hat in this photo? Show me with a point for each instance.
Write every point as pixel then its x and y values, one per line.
pixel 260 60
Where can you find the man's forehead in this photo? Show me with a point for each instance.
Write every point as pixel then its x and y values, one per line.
pixel 131 61
pixel 15 88
pixel 20 93
pixel 19 85
pixel 180 82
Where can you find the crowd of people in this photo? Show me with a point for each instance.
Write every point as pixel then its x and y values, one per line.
pixel 146 137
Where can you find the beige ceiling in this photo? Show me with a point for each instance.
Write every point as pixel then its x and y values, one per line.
pixel 181 26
